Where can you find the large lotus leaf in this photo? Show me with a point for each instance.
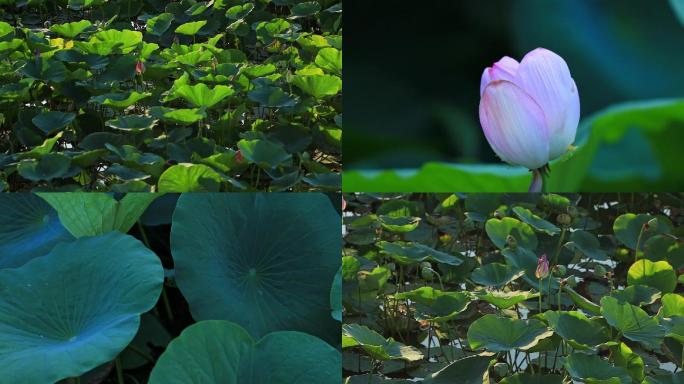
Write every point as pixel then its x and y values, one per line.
pixel 51 121
pixel 435 305
pixel 330 59
pixel 265 153
pixel 468 370
pixel 578 330
pixel 5 29
pixel 191 28
pixel 92 214
pixel 379 348
pixel 29 228
pixel 239 11
pixel 501 334
pixel 48 167
pixel 119 100
pixel 632 321
pixel 637 294
pixel 587 244
pixel 71 30
pixel 264 261
pixel 498 231
pixel 673 305
pixel 495 274
pixel 593 369
pixel 218 351
pixel 530 378
pixel 506 299
pixel 623 356
pixel 126 40
pixel 159 24
pixel 336 296
pixel 45 70
pixel 186 177
pixel 535 221
pixel 318 86
pixel 659 275
pixel 179 116
pixel 200 95
pixel 413 253
pixel 75 308
pixel 273 97
pixel 132 123
pixel 627 228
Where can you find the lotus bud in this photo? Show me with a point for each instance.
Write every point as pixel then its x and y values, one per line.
pixel 238 156
pixel 542 267
pixel 529 110
pixel 511 242
pixel 564 219
pixel 559 270
pixel 139 67
pixel 344 203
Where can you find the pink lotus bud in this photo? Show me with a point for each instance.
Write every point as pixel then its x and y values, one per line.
pixel 529 110
pixel 139 67
pixel 238 156
pixel 542 267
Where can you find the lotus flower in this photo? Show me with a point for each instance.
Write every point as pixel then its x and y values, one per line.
pixel 529 110
pixel 542 267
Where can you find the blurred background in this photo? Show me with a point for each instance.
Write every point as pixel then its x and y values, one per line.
pixel 412 77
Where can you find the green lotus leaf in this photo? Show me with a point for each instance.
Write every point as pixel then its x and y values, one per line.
pixel 399 224
pixel 587 244
pixel 241 257
pixel 623 356
pixel 132 123
pixel 159 24
pixel 272 97
pixel 45 70
pixel 194 58
pixel 435 305
pixel 29 228
pixel 71 30
pixel 659 275
pixel 468 370
pixel 632 321
pixel 38 151
pixel 266 154
pixel 52 121
pixel 578 330
pixel 179 116
pixel 330 59
pixel 498 231
pixel 336 296
pixel 11 45
pixel 126 173
pixel 187 177
pixel 306 8
pixel 239 11
pixel 501 334
pixel 627 228
pixel 675 327
pixel 126 40
pixel 259 70
pixel 666 378
pixel 495 274
pixel 529 378
pixel 581 301
pixel 318 86
pixel 529 217
pixel 76 307
pixel 119 100
pixel 48 167
pixel 379 348
pixel 5 29
pixel 665 248
pixel 413 253
pixel 672 305
pixel 93 214
pixel 200 95
pixel 505 299
pixel 637 295
pixel 593 369
pixel 191 28
pixel 218 351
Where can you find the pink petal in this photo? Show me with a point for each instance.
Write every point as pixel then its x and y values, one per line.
pixel 545 76
pixel 514 125
pixel 504 69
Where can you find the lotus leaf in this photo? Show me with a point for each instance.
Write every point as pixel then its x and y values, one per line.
pixel 501 334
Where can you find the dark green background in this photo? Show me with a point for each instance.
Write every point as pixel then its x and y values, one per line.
pixel 413 68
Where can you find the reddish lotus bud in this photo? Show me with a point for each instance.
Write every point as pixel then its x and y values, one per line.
pixel 139 67
pixel 542 267
pixel 344 203
pixel 238 156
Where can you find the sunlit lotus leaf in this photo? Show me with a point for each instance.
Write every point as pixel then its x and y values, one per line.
pixel 200 95
pixel 373 343
pixel 128 40
pixel 71 30
pixel 318 86
pixel 191 28
pixel 659 275
pixel 330 59
pixel 499 230
pixel 187 177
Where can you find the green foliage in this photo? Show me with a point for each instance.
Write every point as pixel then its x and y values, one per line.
pixel 599 316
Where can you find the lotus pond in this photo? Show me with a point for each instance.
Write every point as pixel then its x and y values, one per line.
pixel 150 288
pixel 513 288
pixel 170 96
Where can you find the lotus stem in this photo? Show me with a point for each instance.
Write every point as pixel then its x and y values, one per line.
pixel 537 182
pixel 638 243
pixel 540 295
pixel 119 371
